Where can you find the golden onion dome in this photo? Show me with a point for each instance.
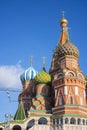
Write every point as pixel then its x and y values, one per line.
pixel 63 21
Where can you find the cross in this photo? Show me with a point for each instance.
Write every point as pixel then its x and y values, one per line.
pixel 31 60
pixel 63 12
pixel 44 61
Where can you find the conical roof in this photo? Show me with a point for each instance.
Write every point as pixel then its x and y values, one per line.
pixel 20 114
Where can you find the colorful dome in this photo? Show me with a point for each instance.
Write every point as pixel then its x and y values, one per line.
pixel 28 74
pixel 43 77
pixel 67 49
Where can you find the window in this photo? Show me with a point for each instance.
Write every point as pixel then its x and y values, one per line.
pixel 79 121
pixel 83 122
pixel 30 124
pixel 54 121
pixel 70 74
pixel 42 120
pixel 66 121
pixel 59 121
pixel 72 121
pixel 86 122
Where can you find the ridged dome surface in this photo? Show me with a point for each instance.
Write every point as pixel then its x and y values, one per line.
pixel 28 74
pixel 43 77
pixel 67 49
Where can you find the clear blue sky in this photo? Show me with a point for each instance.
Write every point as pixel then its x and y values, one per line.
pixel 31 28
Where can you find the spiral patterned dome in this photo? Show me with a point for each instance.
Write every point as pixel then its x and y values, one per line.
pixel 28 74
pixel 67 49
pixel 43 77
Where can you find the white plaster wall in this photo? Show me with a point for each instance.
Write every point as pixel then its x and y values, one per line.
pixel 41 127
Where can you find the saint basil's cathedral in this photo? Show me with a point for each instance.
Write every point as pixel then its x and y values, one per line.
pixel 55 100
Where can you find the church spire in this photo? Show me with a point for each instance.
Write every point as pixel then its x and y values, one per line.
pixel 20 113
pixel 64 35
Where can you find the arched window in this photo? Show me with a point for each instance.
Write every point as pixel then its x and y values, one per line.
pixel 60 75
pixel 72 121
pixel 79 121
pixel 70 74
pixel 54 121
pixel 42 120
pixel 66 120
pixel 61 120
pixel 83 122
pixel 80 75
pixel 57 120
pixel 30 123
pixel 17 127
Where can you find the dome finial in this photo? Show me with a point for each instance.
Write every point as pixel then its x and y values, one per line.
pixel 63 12
pixel 31 60
pixel 63 20
pixel 64 34
pixel 43 62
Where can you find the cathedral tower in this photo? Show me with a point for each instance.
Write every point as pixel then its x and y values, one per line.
pixel 68 81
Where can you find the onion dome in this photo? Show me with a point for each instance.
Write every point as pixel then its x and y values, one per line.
pixel 43 77
pixel 28 74
pixel 63 21
pixel 65 47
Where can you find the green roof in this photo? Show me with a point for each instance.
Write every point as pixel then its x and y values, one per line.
pixel 20 113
